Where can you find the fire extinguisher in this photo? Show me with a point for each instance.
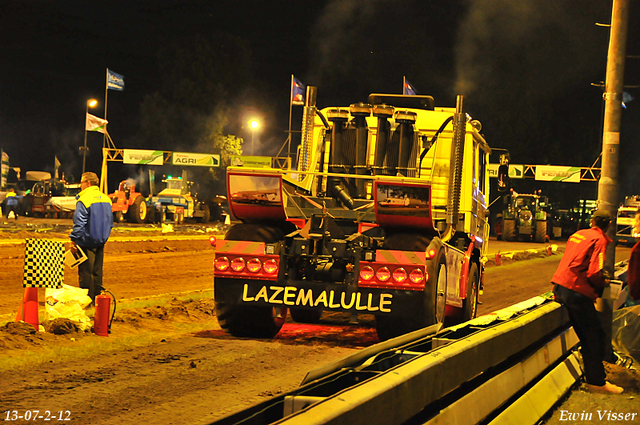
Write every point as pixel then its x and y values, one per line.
pixel 102 322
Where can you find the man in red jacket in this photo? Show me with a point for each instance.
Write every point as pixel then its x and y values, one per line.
pixel 577 283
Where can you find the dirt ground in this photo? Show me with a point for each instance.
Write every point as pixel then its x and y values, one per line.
pixel 167 360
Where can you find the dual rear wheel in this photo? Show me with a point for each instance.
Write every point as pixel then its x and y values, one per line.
pixel 241 319
pixel 431 308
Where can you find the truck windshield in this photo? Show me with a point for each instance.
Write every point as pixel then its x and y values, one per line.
pixel 174 184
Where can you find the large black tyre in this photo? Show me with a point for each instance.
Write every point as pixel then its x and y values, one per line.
pixel 541 231
pixel 118 217
pixel 470 303
pixel 302 315
pixel 440 296
pixel 137 211
pixel 509 230
pixel 432 309
pixel 250 321
pixel 244 320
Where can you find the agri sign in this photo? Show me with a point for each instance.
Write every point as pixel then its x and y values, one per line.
pixel 195 159
pixel 329 299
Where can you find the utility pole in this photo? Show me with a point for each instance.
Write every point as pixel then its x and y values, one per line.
pixel 608 184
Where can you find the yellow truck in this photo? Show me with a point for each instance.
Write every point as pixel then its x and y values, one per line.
pixel 384 214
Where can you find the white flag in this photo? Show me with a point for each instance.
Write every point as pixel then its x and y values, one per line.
pixel 96 124
pixel 57 166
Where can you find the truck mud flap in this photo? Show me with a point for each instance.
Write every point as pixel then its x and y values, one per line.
pixel 328 297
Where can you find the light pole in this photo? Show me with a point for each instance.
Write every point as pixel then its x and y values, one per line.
pixel 254 125
pixel 608 185
pixel 91 103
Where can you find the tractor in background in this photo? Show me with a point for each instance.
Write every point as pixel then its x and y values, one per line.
pixel 524 218
pixel 128 204
pixel 176 202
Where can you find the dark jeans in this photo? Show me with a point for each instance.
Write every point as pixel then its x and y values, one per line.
pixel 10 208
pixel 90 271
pixel 586 323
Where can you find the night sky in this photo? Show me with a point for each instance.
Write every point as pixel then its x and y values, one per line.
pixel 524 66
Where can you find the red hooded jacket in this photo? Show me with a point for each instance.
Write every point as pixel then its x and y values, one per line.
pixel 581 266
pixel 633 273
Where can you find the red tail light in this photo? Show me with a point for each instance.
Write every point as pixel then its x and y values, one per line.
pixel 366 273
pixel 399 275
pixel 431 253
pixel 237 264
pixel 270 266
pixel 416 276
pixel 212 240
pixel 383 274
pixel 222 263
pixel 254 265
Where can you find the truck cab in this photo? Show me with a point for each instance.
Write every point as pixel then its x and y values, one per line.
pixel 625 221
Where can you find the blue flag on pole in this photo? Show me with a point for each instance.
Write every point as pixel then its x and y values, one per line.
pixel 409 90
pixel 297 92
pixel 115 81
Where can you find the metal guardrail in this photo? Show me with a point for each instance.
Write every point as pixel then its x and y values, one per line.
pixel 415 379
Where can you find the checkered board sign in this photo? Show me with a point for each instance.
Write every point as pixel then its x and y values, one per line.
pixel 43 264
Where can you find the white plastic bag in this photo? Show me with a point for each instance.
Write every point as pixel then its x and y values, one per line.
pixel 68 302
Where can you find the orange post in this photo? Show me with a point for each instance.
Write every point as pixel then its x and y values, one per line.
pixel 498 259
pixel 28 311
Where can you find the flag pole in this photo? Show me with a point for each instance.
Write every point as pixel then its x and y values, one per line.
pixel 290 111
pixel 288 141
pixel 404 82
pixel 106 91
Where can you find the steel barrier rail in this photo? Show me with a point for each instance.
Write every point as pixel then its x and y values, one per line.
pixel 399 394
pixel 541 397
pixel 396 385
pixel 475 407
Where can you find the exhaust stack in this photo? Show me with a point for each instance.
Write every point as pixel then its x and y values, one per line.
pixel 406 120
pixel 383 113
pixel 455 174
pixel 360 112
pixel 308 116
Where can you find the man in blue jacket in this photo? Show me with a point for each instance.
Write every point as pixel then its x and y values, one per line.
pixel 11 203
pixel 92 223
